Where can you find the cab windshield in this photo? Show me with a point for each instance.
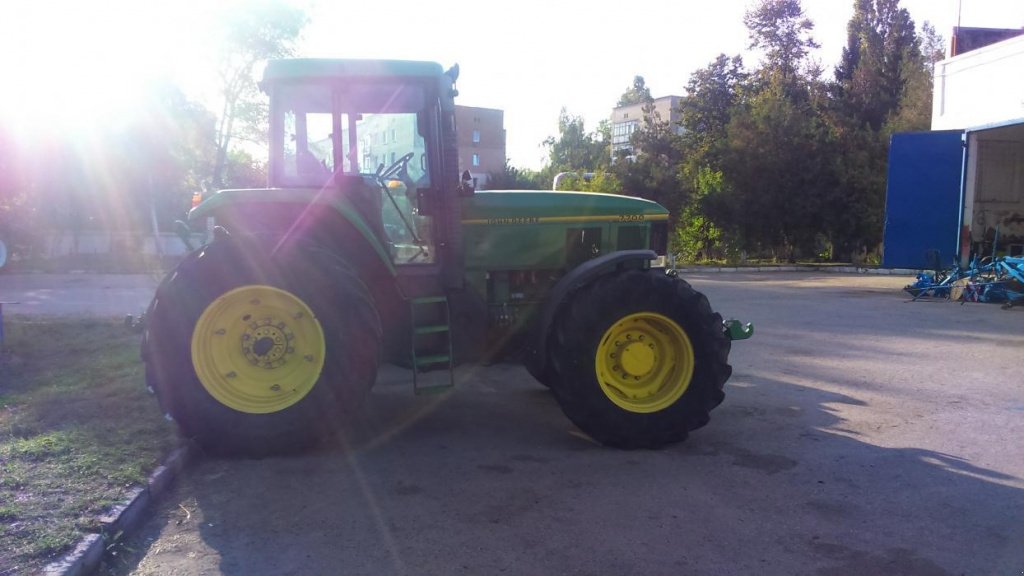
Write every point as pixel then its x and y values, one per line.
pixel 370 129
pixel 377 131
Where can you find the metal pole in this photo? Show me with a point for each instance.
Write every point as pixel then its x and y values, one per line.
pixel 959 258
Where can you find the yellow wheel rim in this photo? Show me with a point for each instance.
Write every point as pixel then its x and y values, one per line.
pixel 258 349
pixel 644 362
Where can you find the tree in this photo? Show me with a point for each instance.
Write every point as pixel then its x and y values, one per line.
pixel 757 160
pixel 639 93
pixel 712 94
pixel 600 181
pixel 575 149
pixel 165 152
pixel 143 167
pixel 651 171
pixel 512 178
pixel 253 33
pixel 914 111
pixel 17 216
pixel 777 161
pixel 882 84
pixel 783 32
pixel 697 237
pixel 12 173
pixel 244 171
pixel 777 170
pixel 881 56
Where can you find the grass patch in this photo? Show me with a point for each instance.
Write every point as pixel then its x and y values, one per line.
pixel 78 429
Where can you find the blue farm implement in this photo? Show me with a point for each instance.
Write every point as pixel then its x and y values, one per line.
pixel 988 280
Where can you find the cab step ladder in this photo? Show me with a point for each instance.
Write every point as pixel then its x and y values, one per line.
pixel 431 341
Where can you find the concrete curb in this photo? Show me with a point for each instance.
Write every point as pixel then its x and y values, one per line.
pixel 801 268
pixel 86 556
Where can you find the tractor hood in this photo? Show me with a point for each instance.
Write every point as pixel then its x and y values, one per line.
pixel 532 206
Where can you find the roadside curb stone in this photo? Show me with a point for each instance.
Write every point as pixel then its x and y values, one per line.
pixel 123 518
pixel 82 560
pixel 801 268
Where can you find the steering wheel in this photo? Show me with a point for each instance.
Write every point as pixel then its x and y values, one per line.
pixel 398 169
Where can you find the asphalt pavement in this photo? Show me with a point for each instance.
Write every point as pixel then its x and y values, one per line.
pixel 861 434
pixel 99 295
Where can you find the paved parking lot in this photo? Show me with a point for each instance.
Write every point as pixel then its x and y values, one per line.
pixel 78 294
pixel 861 434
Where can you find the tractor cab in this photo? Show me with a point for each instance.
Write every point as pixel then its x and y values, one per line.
pixel 369 132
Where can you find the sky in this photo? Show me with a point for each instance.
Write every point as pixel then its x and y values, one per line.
pixel 83 59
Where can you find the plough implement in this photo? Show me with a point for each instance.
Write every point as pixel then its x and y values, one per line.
pixel 998 280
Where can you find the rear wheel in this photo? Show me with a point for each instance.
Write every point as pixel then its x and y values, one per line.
pixel 257 349
pixel 639 359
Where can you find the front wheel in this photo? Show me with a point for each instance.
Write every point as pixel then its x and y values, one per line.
pixel 256 348
pixel 640 359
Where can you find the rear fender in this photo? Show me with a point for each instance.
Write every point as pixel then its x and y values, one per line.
pixel 291 213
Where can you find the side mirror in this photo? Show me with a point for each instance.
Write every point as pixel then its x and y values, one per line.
pixel 453 73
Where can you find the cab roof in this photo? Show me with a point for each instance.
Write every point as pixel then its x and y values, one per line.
pixel 325 68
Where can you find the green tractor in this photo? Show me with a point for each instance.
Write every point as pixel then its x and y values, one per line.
pixel 368 246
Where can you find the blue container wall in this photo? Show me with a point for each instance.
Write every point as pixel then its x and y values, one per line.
pixel 922 201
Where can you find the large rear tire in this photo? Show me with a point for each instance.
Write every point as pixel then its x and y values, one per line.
pixel 639 359
pixel 255 348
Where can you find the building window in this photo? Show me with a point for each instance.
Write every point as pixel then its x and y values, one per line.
pixel 622 131
pixel 393 138
pixel 476 136
pixel 476 159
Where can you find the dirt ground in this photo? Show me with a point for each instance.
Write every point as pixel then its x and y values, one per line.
pixel 861 434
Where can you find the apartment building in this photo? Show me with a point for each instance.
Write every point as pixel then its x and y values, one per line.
pixel 481 141
pixel 628 119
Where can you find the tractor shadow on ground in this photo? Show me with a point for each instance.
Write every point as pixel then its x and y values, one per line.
pixel 491 477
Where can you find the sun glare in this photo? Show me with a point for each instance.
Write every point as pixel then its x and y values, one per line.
pixel 70 67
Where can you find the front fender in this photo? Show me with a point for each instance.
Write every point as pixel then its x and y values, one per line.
pixel 536 357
